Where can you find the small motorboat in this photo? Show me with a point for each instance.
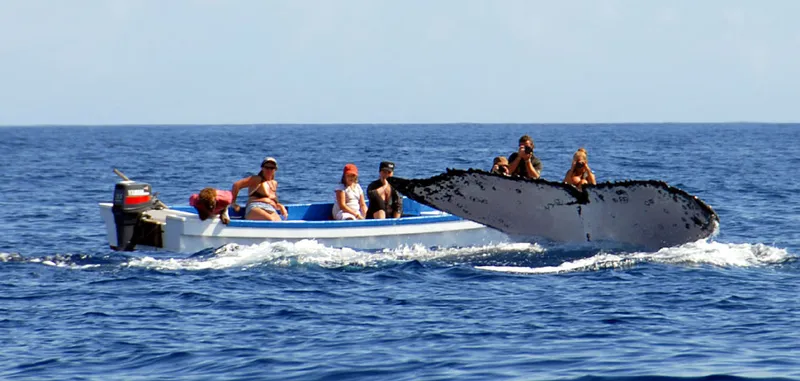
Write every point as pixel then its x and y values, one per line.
pixel 136 219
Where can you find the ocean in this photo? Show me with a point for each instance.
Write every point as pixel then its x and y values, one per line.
pixel 73 309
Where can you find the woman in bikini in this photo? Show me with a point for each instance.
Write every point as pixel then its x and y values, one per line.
pixel 262 194
pixel 580 174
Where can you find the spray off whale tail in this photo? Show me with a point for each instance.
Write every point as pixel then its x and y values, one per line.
pixel 645 214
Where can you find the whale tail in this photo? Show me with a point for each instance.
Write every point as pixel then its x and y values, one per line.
pixel 639 213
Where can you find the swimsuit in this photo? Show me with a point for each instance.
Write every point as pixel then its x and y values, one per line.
pixel 259 205
pixel 257 193
pixel 376 201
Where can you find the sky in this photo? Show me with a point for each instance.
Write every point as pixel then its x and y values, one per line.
pixel 105 62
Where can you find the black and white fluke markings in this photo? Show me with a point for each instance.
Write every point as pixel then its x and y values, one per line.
pixel 646 214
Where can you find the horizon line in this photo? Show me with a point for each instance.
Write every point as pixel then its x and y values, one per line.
pixel 374 124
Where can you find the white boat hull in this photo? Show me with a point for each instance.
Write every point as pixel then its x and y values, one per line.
pixel 184 232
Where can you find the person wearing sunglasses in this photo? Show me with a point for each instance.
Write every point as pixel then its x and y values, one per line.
pixel 262 194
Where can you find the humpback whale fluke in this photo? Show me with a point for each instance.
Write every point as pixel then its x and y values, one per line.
pixel 648 214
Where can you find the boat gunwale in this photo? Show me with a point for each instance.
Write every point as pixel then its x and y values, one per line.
pixel 184 211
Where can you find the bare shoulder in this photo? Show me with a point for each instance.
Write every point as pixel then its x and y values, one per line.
pixel 245 181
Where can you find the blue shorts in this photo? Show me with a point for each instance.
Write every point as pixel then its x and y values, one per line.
pixel 259 205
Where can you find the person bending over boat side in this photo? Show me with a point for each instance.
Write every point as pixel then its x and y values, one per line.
pixel 384 201
pixel 523 163
pixel 579 174
pixel 212 202
pixel 500 166
pixel 262 194
pixel 349 204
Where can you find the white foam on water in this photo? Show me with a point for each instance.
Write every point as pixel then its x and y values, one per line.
pixel 702 252
pixel 718 254
pixel 63 261
pixel 6 257
pixel 597 262
pixel 310 252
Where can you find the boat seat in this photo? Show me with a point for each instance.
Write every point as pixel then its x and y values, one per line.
pixel 307 212
pixel 323 211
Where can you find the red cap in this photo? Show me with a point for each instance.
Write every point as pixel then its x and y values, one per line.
pixel 350 168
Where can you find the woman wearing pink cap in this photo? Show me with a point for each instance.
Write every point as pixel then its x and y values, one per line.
pixel 349 204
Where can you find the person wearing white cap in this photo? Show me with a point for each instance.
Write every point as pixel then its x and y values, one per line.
pixel 262 194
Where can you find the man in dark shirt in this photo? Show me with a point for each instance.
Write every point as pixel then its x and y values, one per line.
pixel 384 201
pixel 523 163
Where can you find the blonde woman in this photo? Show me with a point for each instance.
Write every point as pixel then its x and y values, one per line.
pixel 579 173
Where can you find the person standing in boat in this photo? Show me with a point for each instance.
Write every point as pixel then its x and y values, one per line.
pixel 349 203
pixel 384 201
pixel 212 202
pixel 523 163
pixel 262 194
pixel 579 174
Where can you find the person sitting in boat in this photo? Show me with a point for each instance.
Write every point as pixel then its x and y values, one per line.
pixel 579 173
pixel 384 201
pixel 262 194
pixel 212 202
pixel 523 163
pixel 500 166
pixel 349 203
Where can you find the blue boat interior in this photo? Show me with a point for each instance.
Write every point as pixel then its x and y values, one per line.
pixel 321 212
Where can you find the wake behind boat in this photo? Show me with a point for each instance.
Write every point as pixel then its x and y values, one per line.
pixel 136 219
pixel 634 213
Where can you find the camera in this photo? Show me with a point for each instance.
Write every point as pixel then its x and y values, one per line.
pixel 579 164
pixel 528 149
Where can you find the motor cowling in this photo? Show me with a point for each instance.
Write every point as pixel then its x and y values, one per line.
pixel 131 199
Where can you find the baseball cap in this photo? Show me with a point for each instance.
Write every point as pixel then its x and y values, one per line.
pixel 388 165
pixel 350 168
pixel 269 160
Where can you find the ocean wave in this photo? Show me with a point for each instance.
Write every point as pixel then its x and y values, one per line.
pixel 702 252
pixel 524 258
pixel 75 261
pixel 312 253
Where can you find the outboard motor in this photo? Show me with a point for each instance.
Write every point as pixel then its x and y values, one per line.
pixel 131 199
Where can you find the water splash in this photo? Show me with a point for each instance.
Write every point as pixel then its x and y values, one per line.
pixel 70 261
pixel 10 257
pixel 701 252
pixel 718 254
pixel 521 258
pixel 312 253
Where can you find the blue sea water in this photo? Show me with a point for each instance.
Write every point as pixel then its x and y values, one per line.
pixel 72 309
